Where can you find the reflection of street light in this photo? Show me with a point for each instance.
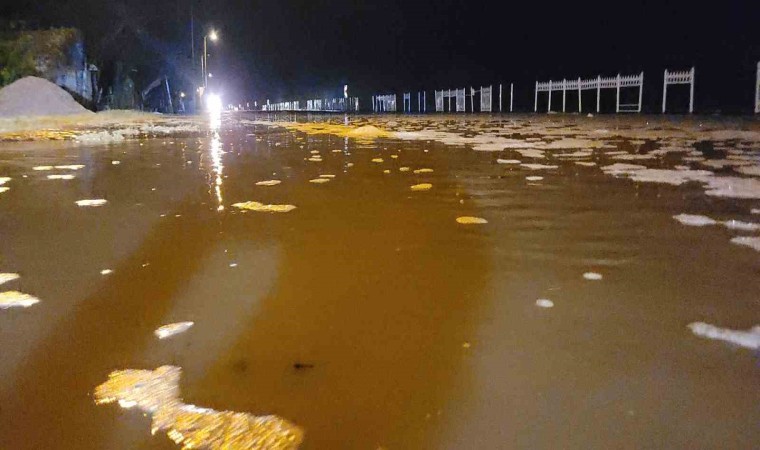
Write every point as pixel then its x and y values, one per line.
pixel 210 75
pixel 182 94
pixel 214 37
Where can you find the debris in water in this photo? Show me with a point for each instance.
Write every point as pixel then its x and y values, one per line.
pixel 749 241
pixel 377 160
pixel 544 303
pixel 70 167
pixel 115 163
pixel 471 220
pixel 424 170
pixel 695 220
pixel 739 225
pixel 534 178
pixel 301 366
pixel 403 169
pixel 508 161
pixel 466 345
pixel 748 339
pixel 422 187
pixel 315 159
pixel 171 329
pixel 319 180
pixel 14 299
pixel 6 277
pixel 538 166
pixel 42 168
pixel 592 276
pixel 327 176
pixel 268 183
pixel 106 272
pixel 260 207
pixel 93 202
pixel 156 392
pixel 585 163
pixel 60 177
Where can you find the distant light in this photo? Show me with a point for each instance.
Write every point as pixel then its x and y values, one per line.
pixel 210 75
pixel 345 91
pixel 214 104
pixel 213 36
pixel 182 94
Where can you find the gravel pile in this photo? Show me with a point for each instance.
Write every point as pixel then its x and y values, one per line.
pixel 33 96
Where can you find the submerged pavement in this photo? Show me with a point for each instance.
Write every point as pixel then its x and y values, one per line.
pixel 384 282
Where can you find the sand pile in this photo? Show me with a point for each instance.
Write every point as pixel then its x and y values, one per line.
pixel 33 96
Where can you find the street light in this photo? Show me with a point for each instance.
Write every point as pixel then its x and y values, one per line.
pixel 214 37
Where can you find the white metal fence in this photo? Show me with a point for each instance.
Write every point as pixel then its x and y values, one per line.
pixel 579 85
pixel 684 77
pixel 757 89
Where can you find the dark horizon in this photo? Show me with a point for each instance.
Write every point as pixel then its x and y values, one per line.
pixel 297 49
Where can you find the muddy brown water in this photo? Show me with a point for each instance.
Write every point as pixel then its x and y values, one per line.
pixel 367 315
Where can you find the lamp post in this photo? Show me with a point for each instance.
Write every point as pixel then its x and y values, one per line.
pixel 204 61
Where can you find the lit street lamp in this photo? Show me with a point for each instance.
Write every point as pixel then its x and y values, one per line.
pixel 204 61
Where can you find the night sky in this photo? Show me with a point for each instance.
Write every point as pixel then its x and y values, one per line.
pixel 289 49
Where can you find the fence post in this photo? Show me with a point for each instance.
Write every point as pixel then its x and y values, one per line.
pixel 549 108
pixel 598 91
pixel 641 89
pixel 617 95
pixel 563 94
pixel 500 98
pixel 579 96
pixel 664 90
pixel 512 91
pixel 691 92
pixel 535 99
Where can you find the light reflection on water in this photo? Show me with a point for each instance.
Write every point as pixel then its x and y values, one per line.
pixel 215 122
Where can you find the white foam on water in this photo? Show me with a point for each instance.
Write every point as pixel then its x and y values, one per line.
pixel 754 211
pixel 6 277
pixel 60 177
pixel 593 276
pixel 585 163
pixel 115 163
pixel 71 167
pixel 15 299
pixel 157 393
pixel 4 180
pixel 508 161
pixel 172 329
pixel 4 189
pixel 91 202
pixel 748 339
pixel 534 178
pixel 544 303
pixel 42 168
pixel 749 170
pixel 739 225
pixel 733 187
pixel 538 166
pixel 695 220
pixel 748 241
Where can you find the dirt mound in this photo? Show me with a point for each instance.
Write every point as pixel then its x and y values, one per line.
pixel 33 96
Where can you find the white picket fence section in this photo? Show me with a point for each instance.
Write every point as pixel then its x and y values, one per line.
pixel 684 77
pixel 407 102
pixel 486 98
pixel 617 82
pixel 443 97
pixel 384 103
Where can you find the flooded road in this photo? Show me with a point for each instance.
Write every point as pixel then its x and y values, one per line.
pixel 369 316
